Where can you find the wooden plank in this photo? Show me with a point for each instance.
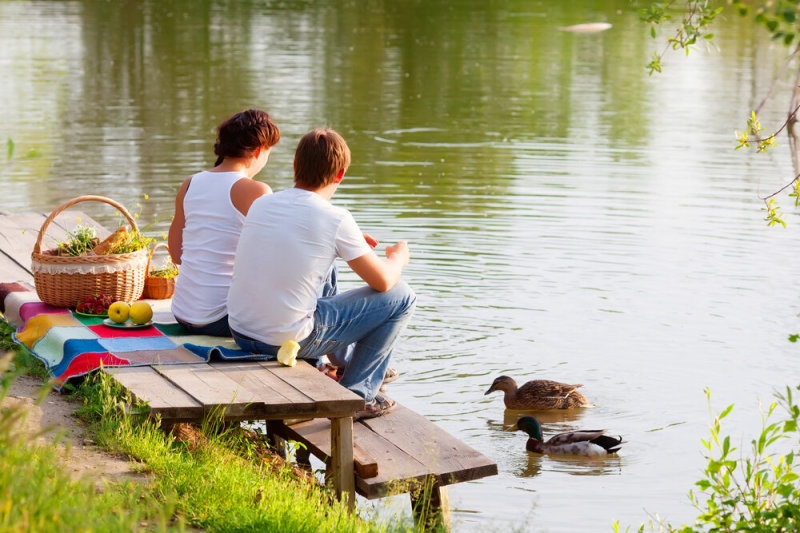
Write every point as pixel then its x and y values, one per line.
pixel 316 435
pixel 18 234
pixel 10 271
pixel 163 397
pixel 277 398
pixel 341 462
pixel 218 394
pixel 453 460
pixel 326 393
pixel 409 449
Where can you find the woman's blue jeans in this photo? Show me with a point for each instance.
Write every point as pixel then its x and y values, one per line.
pixel 369 320
pixel 218 328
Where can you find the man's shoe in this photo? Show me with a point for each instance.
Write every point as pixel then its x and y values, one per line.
pixel 379 406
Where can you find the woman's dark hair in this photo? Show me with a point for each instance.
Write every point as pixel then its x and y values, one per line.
pixel 241 134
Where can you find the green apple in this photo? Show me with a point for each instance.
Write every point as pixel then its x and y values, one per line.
pixel 141 312
pixel 118 312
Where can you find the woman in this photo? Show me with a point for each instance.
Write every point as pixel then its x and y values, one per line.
pixel 209 213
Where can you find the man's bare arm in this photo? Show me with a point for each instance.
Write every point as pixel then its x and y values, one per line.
pixel 382 274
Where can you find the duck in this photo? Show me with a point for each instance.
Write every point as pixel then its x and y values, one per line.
pixel 539 394
pixel 587 442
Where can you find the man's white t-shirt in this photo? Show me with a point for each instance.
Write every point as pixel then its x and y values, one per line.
pixel 285 252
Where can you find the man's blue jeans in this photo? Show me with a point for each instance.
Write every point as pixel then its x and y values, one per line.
pixel 369 320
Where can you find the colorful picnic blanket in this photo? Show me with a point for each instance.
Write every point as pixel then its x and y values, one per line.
pixel 71 345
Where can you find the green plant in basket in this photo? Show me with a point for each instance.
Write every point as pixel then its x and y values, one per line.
pixel 131 242
pixel 168 270
pixel 79 241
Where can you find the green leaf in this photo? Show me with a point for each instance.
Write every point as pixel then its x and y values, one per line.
pixel 708 36
pixel 10 145
pixel 653 32
pixel 726 412
pixel 787 40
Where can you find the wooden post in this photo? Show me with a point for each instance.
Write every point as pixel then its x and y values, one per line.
pixel 340 471
pixel 276 440
pixel 302 455
pixel 431 506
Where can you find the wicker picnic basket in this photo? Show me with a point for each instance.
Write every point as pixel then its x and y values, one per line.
pixel 65 281
pixel 156 287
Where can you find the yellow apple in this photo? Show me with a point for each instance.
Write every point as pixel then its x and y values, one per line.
pixel 287 354
pixel 118 312
pixel 141 312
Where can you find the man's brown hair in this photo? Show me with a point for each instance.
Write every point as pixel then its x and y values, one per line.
pixel 320 156
pixel 243 133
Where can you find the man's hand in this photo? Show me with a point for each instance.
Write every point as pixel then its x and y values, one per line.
pixel 399 252
pixel 371 241
pixel 379 274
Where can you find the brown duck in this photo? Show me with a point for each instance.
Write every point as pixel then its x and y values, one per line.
pixel 539 394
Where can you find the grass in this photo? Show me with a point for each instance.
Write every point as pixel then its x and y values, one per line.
pixel 223 480
pixel 259 493
pixel 37 495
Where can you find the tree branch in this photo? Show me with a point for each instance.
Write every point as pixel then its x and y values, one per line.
pixel 777 78
pixel 776 193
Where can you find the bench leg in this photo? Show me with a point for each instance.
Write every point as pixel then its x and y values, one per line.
pixel 276 440
pixel 340 472
pixel 302 456
pixel 431 507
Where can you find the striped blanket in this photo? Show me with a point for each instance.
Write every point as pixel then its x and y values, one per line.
pixel 71 345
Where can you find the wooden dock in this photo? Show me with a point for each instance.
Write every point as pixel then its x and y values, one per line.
pixel 401 452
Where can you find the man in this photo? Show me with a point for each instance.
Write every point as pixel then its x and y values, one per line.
pixel 285 258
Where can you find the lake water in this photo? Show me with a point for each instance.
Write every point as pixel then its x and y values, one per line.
pixel 569 217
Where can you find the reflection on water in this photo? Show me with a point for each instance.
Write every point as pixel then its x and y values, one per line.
pixel 569 217
pixel 608 465
pixel 552 420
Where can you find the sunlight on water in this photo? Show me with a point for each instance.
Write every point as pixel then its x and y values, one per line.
pixel 569 217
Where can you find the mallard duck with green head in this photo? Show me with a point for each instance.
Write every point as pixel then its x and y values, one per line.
pixel 539 394
pixel 589 442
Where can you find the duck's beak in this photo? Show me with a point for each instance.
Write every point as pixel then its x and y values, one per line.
pixel 515 427
pixel 491 389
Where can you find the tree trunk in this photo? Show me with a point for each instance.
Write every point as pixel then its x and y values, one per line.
pixel 792 127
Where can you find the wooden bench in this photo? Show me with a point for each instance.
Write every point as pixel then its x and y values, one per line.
pixel 401 452
pixel 250 391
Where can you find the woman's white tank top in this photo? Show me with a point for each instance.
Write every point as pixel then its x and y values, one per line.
pixel 210 235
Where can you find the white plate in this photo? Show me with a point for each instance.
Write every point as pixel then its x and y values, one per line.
pixel 125 325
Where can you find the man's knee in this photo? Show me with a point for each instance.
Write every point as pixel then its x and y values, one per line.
pixel 405 294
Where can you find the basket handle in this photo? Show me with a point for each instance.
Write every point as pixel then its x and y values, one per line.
pixel 150 257
pixel 37 248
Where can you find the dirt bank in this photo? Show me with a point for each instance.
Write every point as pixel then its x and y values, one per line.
pixel 52 421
